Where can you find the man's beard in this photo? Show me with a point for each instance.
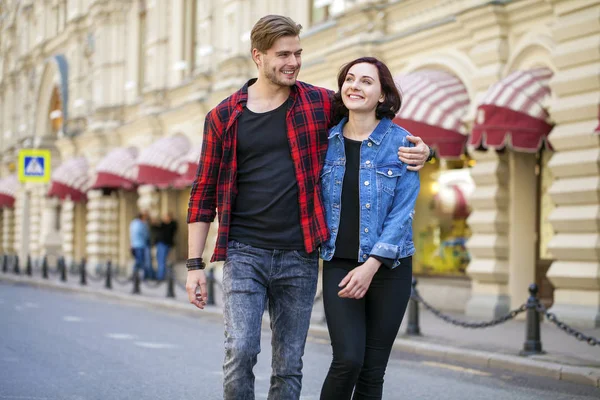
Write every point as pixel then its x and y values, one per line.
pixel 271 75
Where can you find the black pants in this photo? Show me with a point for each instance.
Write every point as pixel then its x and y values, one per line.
pixel 362 331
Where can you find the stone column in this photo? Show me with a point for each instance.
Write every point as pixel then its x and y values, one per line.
pixel 50 240
pixel 522 232
pixel 8 230
pixel 149 200
pixel 111 227
pixel 67 224
pixel 35 221
pixel 21 238
pixel 488 244
pixel 127 211
pixel 95 235
pixel 575 273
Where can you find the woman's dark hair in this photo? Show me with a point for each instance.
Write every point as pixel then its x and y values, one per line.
pixel 392 99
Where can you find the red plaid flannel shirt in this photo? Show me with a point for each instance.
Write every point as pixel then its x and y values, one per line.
pixel 308 119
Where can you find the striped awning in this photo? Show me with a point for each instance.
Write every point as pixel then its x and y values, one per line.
pixel 8 191
pixel 191 158
pixel 117 170
pixel 433 104
pixel 163 161
pixel 70 180
pixel 513 114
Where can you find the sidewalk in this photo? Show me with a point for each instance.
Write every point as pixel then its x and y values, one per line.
pixel 566 358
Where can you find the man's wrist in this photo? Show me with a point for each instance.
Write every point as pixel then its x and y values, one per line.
pixel 431 154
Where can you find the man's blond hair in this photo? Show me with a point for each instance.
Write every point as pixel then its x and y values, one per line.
pixel 270 28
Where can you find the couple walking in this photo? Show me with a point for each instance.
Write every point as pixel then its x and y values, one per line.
pixel 297 172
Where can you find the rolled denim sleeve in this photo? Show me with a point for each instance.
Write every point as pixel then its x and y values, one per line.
pixel 400 217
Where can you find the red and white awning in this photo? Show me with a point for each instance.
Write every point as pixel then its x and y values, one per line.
pixel 8 191
pixel 117 170
pixel 433 104
pixel 513 114
pixel 70 180
pixel 191 158
pixel 163 161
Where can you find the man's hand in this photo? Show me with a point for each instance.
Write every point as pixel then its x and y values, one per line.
pixel 196 279
pixel 358 280
pixel 416 156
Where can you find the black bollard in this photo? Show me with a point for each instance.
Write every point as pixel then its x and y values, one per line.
pixel 210 286
pixel 28 270
pixel 108 284
pixel 412 327
pixel 62 266
pixel 83 272
pixel 16 269
pixel 171 281
pixel 136 281
pixel 5 263
pixel 533 342
pixel 45 267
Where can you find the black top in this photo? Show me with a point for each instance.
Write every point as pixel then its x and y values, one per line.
pixel 348 241
pixel 166 233
pixel 266 213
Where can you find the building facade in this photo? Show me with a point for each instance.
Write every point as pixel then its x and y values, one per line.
pixel 506 91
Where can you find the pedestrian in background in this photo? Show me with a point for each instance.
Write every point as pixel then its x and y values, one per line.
pixel 165 240
pixel 262 155
pixel 139 237
pixel 367 269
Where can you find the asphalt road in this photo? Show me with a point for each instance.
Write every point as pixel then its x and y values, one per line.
pixel 65 346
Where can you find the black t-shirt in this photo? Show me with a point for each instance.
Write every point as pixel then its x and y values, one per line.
pixel 348 241
pixel 266 213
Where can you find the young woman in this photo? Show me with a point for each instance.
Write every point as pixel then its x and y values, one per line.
pixel 369 197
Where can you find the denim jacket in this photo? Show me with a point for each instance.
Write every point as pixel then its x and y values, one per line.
pixel 387 193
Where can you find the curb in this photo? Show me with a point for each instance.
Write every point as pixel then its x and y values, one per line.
pixel 579 375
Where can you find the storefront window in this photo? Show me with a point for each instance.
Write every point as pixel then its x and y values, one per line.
pixel 440 228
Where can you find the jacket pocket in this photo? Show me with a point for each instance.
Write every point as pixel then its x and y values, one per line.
pixel 387 177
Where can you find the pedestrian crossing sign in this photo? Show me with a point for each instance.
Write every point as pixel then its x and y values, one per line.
pixel 34 165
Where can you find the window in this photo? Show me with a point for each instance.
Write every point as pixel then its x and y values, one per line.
pixel 189 36
pixel 319 11
pixel 141 47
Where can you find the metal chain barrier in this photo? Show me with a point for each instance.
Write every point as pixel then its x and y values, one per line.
pixel 474 325
pixel 592 341
pixel 98 276
pixel 115 277
pixel 532 307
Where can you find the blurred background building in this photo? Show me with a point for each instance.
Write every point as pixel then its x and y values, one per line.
pixel 506 91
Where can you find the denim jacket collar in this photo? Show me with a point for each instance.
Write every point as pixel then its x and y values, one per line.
pixel 376 136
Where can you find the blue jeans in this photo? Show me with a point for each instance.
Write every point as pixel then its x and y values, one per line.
pixel 162 252
pixel 148 268
pixel 288 279
pixel 139 254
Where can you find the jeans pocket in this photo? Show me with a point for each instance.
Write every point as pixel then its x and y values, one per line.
pixel 306 257
pixel 235 245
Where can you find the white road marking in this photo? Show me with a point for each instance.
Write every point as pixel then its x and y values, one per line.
pixel 70 318
pixel 19 308
pixel 151 345
pixel 31 305
pixel 120 336
pixel 456 368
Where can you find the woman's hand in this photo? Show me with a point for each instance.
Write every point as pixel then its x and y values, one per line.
pixel 357 282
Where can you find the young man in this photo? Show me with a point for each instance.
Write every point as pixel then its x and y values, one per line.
pixel 261 160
